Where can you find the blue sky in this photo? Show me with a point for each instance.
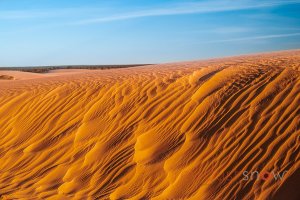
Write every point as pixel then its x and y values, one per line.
pixel 62 32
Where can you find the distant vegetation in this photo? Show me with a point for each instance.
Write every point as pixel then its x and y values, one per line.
pixel 45 69
pixel 6 77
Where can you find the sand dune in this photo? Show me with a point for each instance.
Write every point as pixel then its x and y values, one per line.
pixel 172 131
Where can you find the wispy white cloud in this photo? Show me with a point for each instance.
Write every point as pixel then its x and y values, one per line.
pixel 261 37
pixel 191 8
pixel 221 30
pixel 47 13
pixel 231 30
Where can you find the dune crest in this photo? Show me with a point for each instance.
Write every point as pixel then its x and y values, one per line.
pixel 171 131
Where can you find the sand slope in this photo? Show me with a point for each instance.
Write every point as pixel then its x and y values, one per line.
pixel 172 131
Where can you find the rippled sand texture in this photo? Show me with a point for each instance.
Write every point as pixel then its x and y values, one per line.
pixel 171 131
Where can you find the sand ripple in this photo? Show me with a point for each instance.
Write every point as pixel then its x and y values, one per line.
pixel 172 131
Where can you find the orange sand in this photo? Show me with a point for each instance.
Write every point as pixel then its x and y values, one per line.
pixel 169 131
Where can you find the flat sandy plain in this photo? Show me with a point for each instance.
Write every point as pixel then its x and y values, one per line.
pixel 170 131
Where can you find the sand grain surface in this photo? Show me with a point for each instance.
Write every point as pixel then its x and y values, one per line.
pixel 171 131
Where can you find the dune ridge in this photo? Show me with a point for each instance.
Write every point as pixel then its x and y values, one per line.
pixel 170 131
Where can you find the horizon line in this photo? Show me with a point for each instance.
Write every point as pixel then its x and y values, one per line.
pixel 145 64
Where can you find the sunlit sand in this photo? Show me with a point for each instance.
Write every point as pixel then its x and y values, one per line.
pixel 168 131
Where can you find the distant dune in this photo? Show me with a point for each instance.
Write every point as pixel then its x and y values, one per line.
pixel 46 69
pixel 216 129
